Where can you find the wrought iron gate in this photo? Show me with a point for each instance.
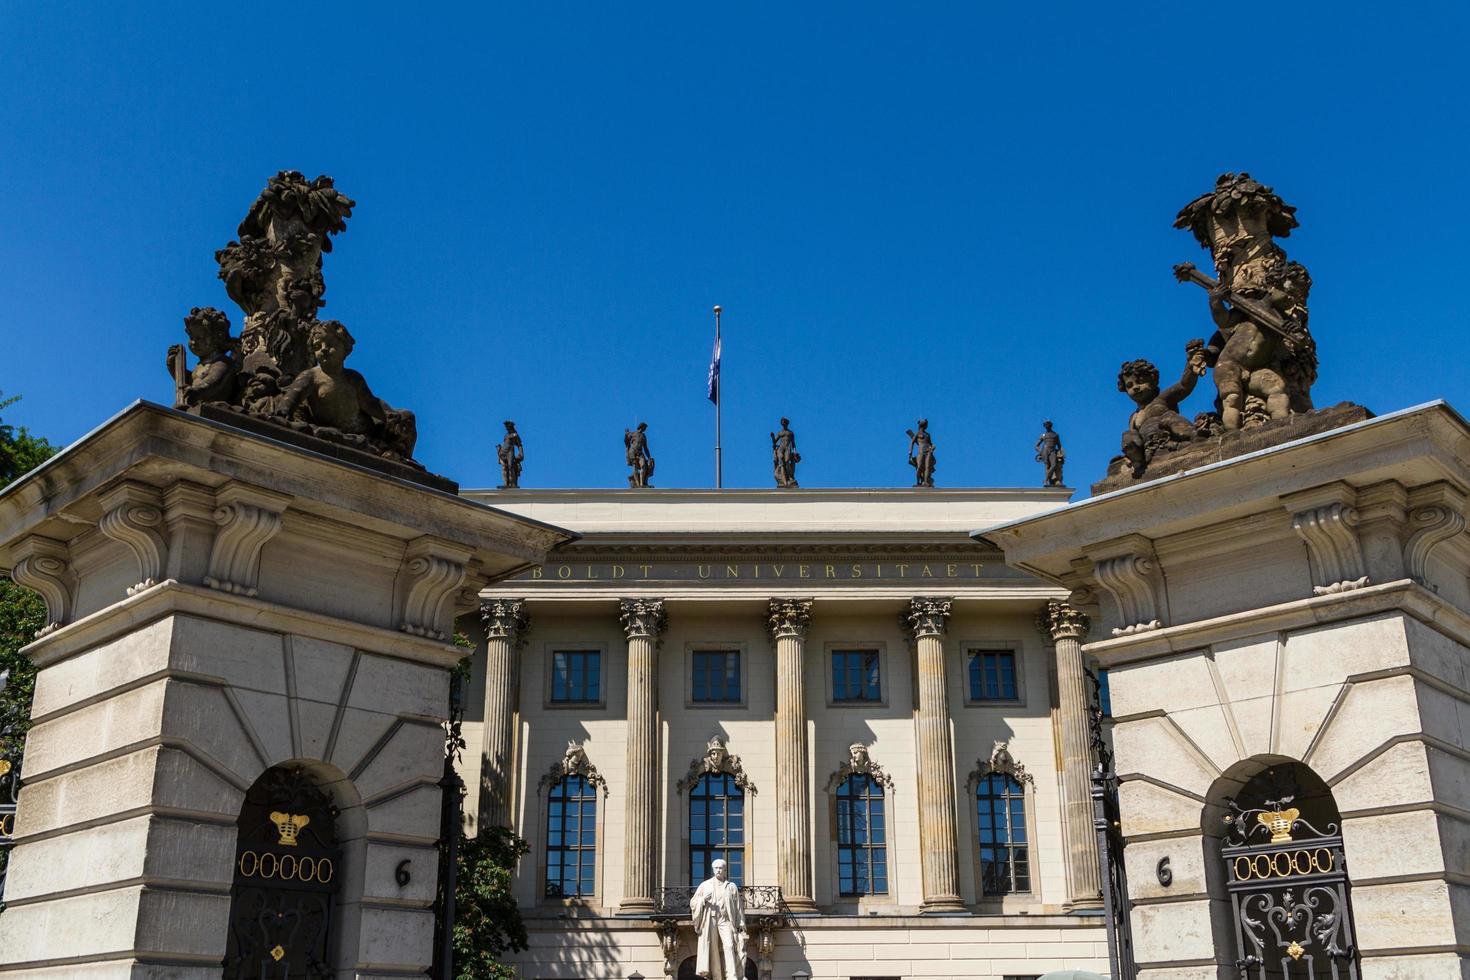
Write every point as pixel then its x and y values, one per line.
pixel 1289 895
pixel 287 866
pixel 451 827
pixel 1106 824
pixel 10 746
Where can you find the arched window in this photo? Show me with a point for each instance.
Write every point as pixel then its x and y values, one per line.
pixel 862 849
pixel 571 837
pixel 1000 817
pixel 716 826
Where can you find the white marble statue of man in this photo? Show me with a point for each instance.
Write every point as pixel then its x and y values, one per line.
pixel 720 922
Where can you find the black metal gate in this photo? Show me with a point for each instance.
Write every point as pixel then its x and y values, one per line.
pixel 287 866
pixel 10 748
pixel 1107 825
pixel 1289 892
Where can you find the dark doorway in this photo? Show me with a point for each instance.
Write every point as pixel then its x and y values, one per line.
pixel 287 866
pixel 686 969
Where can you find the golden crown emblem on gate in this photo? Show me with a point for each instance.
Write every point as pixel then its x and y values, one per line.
pixel 1279 823
pixel 289 826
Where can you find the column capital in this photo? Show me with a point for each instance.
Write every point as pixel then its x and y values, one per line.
pixel 1059 620
pixel 926 616
pixel 788 618
pixel 505 619
pixel 643 618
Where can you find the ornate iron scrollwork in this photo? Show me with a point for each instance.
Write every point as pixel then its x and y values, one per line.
pixel 1290 895
pixel 287 865
pixel 1106 824
pixel 756 900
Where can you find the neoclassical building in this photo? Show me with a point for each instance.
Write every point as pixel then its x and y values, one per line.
pixel 839 692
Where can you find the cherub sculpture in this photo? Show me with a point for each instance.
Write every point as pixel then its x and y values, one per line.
pixel 1263 355
pixel 336 402
pixel 1157 423
pixel 212 379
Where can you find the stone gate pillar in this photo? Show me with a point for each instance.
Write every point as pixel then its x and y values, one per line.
pixel 223 606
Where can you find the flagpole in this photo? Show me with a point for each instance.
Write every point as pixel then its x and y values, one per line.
pixel 719 397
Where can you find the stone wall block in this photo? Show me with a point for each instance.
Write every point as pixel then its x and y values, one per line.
pixel 1169 756
pixel 1421 966
pixel 381 884
pixel 244 658
pixel 400 687
pixel 1168 683
pixel 1397 776
pixel 1186 863
pixel 1368 714
pixel 84 858
pixel 1246 666
pixel 408 814
pixel 105 726
pixel 82 925
pixel 203 716
pixel 1438 655
pixel 1392 844
pixel 269 716
pixel 1450 776
pixel 111 786
pixel 1403 915
pixel 103 668
pixel 396 939
pixel 1150 809
pixel 1176 931
pixel 414 752
pixel 1300 715
pixel 1324 655
pixel 187 922
pixel 321 668
pixel 1213 730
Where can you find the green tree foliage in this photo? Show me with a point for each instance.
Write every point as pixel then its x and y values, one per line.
pixel 487 923
pixel 20 452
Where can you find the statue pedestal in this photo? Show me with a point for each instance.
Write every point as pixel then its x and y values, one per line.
pixel 231 615
pixel 1300 615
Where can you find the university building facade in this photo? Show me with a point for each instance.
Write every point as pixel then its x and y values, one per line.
pixel 838 692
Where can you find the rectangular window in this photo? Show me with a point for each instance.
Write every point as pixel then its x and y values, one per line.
pixel 993 675
pixel 1000 812
pixel 576 677
pixel 855 676
pixel 862 844
pixel 716 677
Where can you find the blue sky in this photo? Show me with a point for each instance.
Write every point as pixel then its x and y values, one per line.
pixel 956 211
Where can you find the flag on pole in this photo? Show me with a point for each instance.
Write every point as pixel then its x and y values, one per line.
pixel 714 371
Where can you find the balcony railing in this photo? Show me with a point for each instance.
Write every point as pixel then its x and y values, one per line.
pixel 756 899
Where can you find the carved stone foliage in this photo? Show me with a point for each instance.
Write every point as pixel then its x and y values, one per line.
pixel 1326 519
pixel 573 763
pixel 644 618
pixel 716 758
pixel 1000 761
pixel 505 619
pixel 926 616
pixel 858 761
pixel 132 513
pixel 1128 571
pixel 429 579
pixel 247 517
pixel 286 367
pixel 44 565
pixel 1436 514
pixel 1059 620
pixel 788 618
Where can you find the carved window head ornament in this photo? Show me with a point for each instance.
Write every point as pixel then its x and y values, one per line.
pixel 574 763
pixel 716 759
pixel 859 762
pixel 1001 761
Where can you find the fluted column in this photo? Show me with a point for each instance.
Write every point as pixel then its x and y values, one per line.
pixel 1066 626
pixel 643 623
pixel 506 624
pixel 787 623
pixel 927 619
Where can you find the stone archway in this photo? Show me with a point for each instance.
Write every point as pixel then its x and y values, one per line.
pixel 1275 865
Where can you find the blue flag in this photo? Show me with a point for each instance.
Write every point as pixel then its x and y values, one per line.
pixel 714 373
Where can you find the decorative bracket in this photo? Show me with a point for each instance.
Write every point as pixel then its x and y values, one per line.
pixel 859 762
pixel 926 616
pixel 573 763
pixel 428 580
pixel 716 758
pixel 1129 572
pixel 787 618
pixel 132 513
pixel 1325 518
pixel 44 565
pixel 247 517
pixel 1000 761
pixel 1436 514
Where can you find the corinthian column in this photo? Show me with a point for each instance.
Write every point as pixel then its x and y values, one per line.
pixel 1066 626
pixel 927 619
pixel 643 622
pixel 506 623
pixel 787 623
